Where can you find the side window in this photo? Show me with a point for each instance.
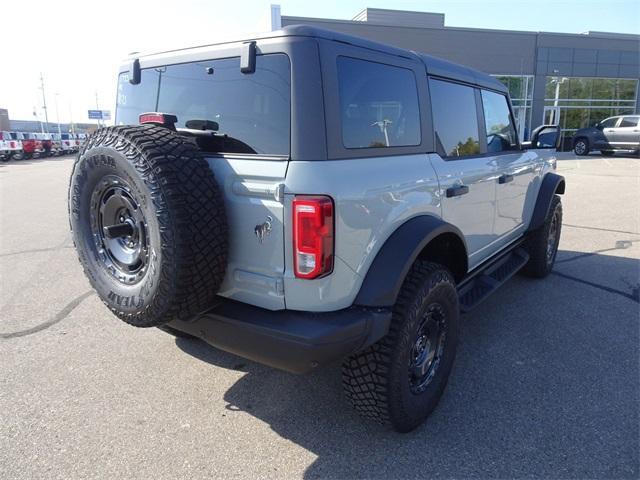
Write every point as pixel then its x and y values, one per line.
pixel 378 104
pixel 629 122
pixel 500 131
pixel 609 122
pixel 455 118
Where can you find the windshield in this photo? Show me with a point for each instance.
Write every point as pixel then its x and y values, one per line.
pixel 235 112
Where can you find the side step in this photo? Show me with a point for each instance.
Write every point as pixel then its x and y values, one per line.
pixel 489 278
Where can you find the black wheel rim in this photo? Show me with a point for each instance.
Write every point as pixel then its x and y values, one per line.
pixel 119 230
pixel 552 238
pixel 428 348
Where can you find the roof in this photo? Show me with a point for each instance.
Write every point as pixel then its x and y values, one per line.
pixel 433 65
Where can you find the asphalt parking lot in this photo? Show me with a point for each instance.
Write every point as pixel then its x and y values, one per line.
pixel 546 383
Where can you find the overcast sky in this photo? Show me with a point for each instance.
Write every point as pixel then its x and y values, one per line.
pixel 78 46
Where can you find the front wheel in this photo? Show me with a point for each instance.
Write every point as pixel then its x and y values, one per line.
pixel 581 146
pixel 400 379
pixel 542 244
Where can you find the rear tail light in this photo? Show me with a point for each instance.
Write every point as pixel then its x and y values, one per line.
pixel 156 118
pixel 312 236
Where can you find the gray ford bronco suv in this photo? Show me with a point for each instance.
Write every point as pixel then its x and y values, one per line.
pixel 308 196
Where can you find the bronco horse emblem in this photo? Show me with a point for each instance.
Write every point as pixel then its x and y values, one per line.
pixel 264 229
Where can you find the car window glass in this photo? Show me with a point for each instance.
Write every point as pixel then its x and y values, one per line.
pixel 501 133
pixel 609 122
pixel 378 104
pixel 629 122
pixel 454 118
pixel 241 113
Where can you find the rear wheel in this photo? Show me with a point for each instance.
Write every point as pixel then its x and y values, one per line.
pixel 581 146
pixel 400 379
pixel 148 224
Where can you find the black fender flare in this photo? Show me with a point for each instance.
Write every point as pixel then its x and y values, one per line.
pixel 552 183
pixel 386 274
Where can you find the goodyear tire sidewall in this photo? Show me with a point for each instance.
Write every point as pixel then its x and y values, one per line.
pixel 92 166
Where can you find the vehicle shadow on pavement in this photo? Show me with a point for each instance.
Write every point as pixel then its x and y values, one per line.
pixel 545 384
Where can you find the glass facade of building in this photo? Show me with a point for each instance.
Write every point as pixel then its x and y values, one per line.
pixel 578 102
pixel 521 93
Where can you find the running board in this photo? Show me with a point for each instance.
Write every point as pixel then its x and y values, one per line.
pixel 487 280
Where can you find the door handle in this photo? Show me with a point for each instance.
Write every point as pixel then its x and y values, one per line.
pixel 457 191
pixel 505 178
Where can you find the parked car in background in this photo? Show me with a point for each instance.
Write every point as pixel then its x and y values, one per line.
pixel 619 133
pixel 9 147
pixel 68 143
pixel 46 142
pixel 30 145
pixel 56 144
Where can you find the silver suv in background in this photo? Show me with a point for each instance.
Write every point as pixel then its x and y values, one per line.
pixel 619 133
pixel 309 196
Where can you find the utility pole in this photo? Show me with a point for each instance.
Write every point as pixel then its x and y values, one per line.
pixel 44 103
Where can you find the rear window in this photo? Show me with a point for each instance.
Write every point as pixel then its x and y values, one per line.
pixel 378 104
pixel 455 118
pixel 629 122
pixel 244 113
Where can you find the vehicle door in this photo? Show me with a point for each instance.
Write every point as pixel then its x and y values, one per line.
pixel 607 127
pixel 626 135
pixel 467 177
pixel 516 168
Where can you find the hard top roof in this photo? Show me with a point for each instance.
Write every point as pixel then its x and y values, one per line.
pixel 434 66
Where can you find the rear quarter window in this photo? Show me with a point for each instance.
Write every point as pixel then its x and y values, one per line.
pixel 378 104
pixel 252 112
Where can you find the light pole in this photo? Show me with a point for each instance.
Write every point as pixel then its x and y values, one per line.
pixel 73 130
pixel 558 81
pixel 98 108
pixel 44 102
pixel 56 95
pixel 35 115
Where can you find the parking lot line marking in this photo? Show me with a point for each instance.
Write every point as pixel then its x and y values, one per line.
pixel 601 229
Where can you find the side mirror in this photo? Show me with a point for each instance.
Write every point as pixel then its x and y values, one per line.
pixel 544 136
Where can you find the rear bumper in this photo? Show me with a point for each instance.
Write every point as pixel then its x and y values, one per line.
pixel 289 340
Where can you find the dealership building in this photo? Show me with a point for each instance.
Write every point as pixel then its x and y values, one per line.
pixel 573 80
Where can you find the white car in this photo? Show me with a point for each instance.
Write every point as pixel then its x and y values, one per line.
pixel 68 143
pixel 9 146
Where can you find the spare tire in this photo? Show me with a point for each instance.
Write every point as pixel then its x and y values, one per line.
pixel 148 223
